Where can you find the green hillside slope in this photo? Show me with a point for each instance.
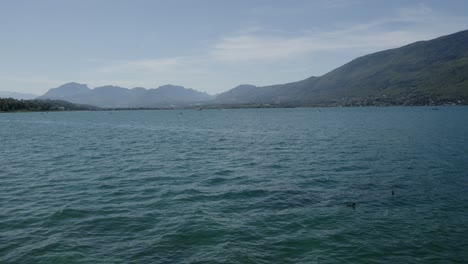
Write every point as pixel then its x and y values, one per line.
pixel 422 73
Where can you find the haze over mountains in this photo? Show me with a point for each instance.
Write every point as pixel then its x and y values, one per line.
pixel 422 73
pixel 118 97
pixel 16 95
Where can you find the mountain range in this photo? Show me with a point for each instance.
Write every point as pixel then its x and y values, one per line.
pixel 118 97
pixel 422 73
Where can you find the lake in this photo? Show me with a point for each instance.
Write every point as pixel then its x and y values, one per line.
pixel 235 186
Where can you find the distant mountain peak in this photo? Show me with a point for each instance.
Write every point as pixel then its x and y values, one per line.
pixel 245 86
pixel 73 85
pixel 66 90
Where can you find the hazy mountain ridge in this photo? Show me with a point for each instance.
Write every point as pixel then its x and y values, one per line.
pixel 118 97
pixel 66 90
pixel 424 72
pixel 16 95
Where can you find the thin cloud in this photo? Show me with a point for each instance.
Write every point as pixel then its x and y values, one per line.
pixel 271 10
pixel 146 65
pixel 41 83
pixel 415 12
pixel 257 44
pixel 332 4
pixel 412 24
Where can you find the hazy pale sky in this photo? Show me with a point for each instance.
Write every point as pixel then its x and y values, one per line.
pixel 208 45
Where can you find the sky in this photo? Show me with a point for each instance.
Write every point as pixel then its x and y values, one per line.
pixel 207 45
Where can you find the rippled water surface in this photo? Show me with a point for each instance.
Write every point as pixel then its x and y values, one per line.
pixel 235 186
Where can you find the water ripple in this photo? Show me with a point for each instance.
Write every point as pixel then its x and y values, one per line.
pixel 236 186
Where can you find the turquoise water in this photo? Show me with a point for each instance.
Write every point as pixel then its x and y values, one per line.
pixel 235 186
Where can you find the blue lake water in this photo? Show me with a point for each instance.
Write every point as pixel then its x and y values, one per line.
pixel 235 186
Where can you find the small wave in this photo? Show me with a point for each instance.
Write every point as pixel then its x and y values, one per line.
pixel 215 181
pixel 224 172
pixel 69 213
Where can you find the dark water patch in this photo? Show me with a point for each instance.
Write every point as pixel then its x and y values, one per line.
pixel 216 181
pixel 224 172
pixel 275 166
pixel 71 214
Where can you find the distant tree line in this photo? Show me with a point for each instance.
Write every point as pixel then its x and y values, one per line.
pixel 14 105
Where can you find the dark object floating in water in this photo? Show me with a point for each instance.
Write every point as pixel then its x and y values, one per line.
pixel 353 205
pixel 393 193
